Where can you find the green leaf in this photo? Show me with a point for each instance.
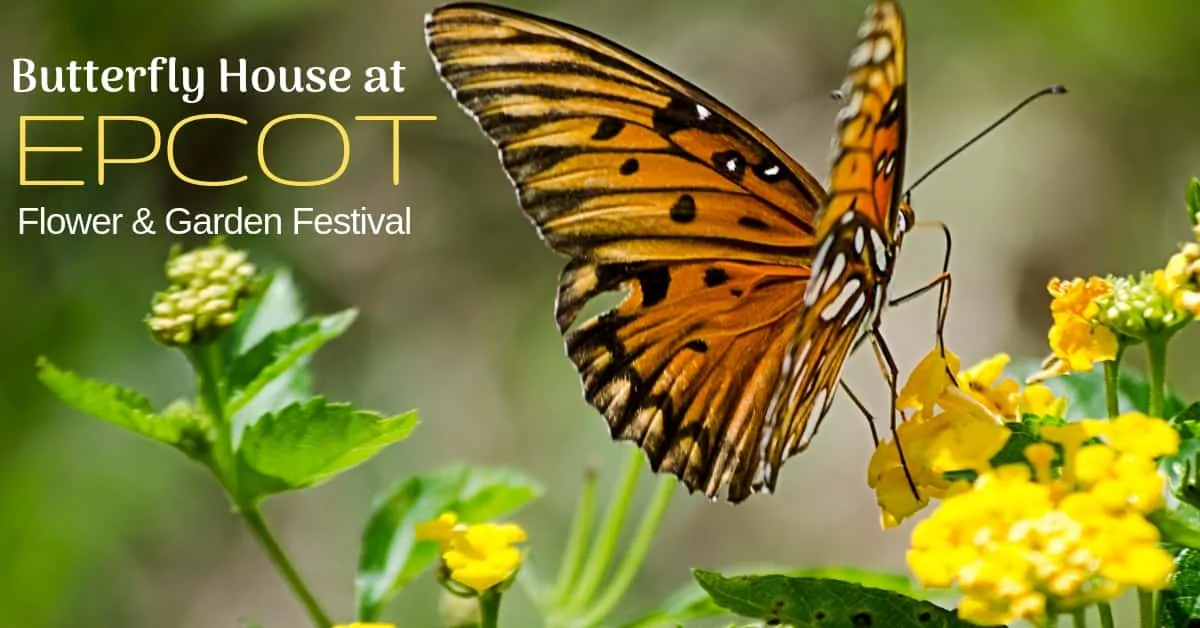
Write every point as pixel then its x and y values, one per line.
pixel 278 352
pixel 822 602
pixel 1181 601
pixel 307 443
pixel 1180 526
pixel 278 306
pixel 1180 468
pixel 1085 391
pixel 120 406
pixel 1193 200
pixel 691 602
pixel 1024 434
pixel 391 556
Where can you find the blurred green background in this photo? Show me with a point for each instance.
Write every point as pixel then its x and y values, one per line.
pixel 100 528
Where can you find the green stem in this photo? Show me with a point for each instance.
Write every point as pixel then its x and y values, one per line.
pixel 258 526
pixel 489 609
pixel 1148 609
pixel 634 555
pixel 576 550
pixel 1157 347
pixel 1079 618
pixel 606 542
pixel 1112 383
pixel 206 360
pixel 1106 615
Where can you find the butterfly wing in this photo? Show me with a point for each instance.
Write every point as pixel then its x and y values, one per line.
pixel 858 229
pixel 652 186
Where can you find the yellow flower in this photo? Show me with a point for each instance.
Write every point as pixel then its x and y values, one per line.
pixel 479 556
pixel 1040 400
pixel 1079 343
pixel 1180 279
pixel 984 383
pixel 928 380
pixel 443 529
pixel 963 436
pixel 1018 542
pixel 1077 340
pixel 1077 297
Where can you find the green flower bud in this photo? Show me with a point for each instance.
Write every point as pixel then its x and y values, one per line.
pixel 208 286
pixel 457 611
pixel 1136 310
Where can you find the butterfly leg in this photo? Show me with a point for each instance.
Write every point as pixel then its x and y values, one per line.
pixel 863 409
pixel 943 283
pixel 886 362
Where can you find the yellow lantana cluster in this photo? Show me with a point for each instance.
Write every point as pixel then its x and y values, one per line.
pixel 951 428
pixel 478 556
pixel 1180 280
pixel 1077 339
pixel 1023 541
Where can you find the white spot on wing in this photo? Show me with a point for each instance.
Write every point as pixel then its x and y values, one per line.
pixel 883 48
pixel 731 165
pixel 880 249
pixel 703 112
pixel 847 217
pixel 859 240
pixel 861 55
pixel 849 289
pixel 772 171
pixel 835 271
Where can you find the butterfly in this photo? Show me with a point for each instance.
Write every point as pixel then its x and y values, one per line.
pixel 746 283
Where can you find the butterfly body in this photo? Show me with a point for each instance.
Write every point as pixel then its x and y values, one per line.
pixel 746 282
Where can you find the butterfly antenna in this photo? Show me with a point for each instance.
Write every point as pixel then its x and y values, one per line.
pixel 1053 89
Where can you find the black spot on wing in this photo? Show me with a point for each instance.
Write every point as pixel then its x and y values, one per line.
pixel 751 222
pixel 630 166
pixel 654 283
pixel 714 277
pixel 608 129
pixel 730 163
pixel 684 209
pixel 699 346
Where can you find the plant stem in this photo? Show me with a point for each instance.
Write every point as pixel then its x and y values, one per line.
pixel 283 564
pixel 1157 347
pixel 1148 609
pixel 489 609
pixel 1112 382
pixel 1079 618
pixel 581 530
pixel 209 367
pixel 606 541
pixel 634 554
pixel 1106 615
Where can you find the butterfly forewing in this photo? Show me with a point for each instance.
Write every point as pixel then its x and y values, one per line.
pixel 651 186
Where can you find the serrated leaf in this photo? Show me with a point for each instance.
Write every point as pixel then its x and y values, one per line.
pixel 1181 600
pixel 278 352
pixel 114 404
pixel 691 602
pixel 308 443
pixel 278 306
pixel 822 603
pixel 391 557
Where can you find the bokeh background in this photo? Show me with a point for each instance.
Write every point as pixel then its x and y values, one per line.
pixel 100 528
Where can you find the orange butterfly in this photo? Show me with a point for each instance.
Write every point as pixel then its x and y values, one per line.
pixel 747 283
